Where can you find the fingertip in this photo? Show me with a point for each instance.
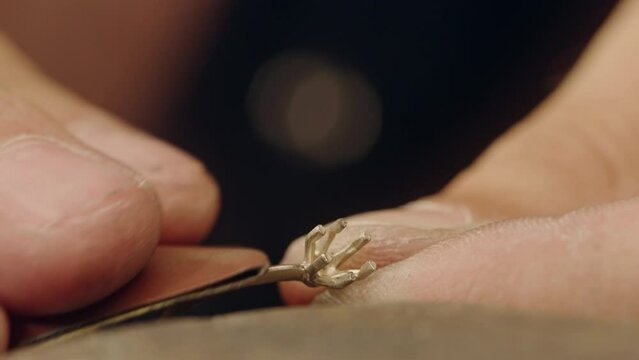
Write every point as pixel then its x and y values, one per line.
pixel 69 242
pixel 81 260
pixel 295 293
pixel 188 193
pixel 191 202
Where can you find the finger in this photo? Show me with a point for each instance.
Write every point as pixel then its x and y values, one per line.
pixel 74 225
pixel 396 234
pixel 583 263
pixel 576 149
pixel 420 214
pixel 4 331
pixel 187 192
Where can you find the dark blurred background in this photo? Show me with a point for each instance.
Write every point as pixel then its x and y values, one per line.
pixel 307 111
pixel 367 104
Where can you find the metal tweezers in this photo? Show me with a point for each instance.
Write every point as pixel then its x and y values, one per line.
pixel 319 268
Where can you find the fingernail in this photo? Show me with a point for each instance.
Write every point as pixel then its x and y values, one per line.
pixel 43 180
pixel 424 214
pixel 456 214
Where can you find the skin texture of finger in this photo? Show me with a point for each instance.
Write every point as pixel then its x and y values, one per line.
pixel 396 234
pixel 4 330
pixel 187 192
pixel 74 225
pixel 583 262
pixel 576 149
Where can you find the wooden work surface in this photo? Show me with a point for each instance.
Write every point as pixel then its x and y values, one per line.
pixel 391 331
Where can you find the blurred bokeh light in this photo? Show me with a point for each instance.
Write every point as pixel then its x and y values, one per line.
pixel 313 109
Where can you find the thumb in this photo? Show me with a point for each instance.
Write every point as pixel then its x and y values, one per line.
pixel 187 193
pixel 74 224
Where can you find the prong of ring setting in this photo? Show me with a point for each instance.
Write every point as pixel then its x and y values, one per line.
pixel 321 269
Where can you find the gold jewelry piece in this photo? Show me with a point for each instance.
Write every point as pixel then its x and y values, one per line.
pixel 319 268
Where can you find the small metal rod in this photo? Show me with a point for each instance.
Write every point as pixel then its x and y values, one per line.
pixel 276 273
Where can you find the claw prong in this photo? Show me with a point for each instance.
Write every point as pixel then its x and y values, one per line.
pixel 337 226
pixel 349 250
pixel 337 280
pixel 344 278
pixel 320 269
pixel 311 239
pixel 366 270
pixel 318 264
pixel 332 230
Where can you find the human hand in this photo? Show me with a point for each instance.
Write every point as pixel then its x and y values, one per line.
pixel 506 231
pixel 84 198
